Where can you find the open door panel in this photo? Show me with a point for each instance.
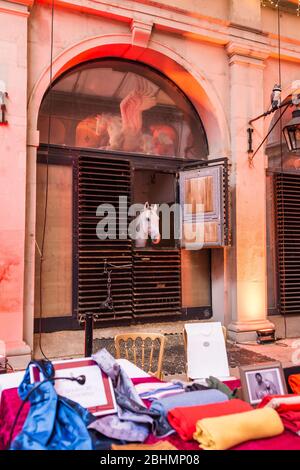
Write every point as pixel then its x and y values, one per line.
pixel 204 198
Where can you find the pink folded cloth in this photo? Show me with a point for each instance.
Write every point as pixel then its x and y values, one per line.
pixel 146 380
pixel 291 421
pixel 281 403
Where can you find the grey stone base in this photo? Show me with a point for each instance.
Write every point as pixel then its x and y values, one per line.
pixel 18 355
pixel 241 336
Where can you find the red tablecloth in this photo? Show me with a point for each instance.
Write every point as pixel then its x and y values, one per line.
pixel 286 441
pixel 10 403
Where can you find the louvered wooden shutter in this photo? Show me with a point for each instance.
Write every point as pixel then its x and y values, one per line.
pixel 156 283
pixel 207 186
pixel 152 286
pixel 287 197
pixel 101 180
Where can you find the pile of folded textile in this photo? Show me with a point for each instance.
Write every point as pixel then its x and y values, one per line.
pixel 224 432
pixel 223 425
pixel 287 407
pixel 207 415
pixel 185 419
pixel 217 420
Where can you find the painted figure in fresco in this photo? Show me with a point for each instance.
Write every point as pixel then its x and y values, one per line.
pixel 124 131
pixel 164 139
pixel 132 106
pixel 89 133
pixel 109 126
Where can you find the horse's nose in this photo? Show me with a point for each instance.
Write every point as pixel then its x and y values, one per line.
pixel 156 239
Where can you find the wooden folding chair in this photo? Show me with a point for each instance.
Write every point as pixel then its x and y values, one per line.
pixel 146 350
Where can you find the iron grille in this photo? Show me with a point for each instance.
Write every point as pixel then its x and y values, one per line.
pixel 101 181
pixel 287 198
pixel 156 282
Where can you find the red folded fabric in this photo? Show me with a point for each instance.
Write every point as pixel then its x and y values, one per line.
pixel 282 403
pixel 184 419
pixel 294 382
pixel 144 380
pixel 291 421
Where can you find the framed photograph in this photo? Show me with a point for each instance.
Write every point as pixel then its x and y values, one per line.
pixel 261 380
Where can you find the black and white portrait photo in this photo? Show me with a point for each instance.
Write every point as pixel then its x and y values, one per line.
pixel 261 382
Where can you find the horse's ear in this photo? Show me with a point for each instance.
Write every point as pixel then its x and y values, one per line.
pixel 155 208
pixel 146 205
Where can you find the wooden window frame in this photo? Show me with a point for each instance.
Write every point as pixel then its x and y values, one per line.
pixel 60 155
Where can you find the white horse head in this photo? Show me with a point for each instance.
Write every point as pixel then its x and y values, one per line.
pixel 148 225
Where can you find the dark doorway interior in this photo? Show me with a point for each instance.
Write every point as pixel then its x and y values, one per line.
pixel 157 187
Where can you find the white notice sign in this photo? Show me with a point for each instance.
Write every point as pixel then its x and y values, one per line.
pixel 206 350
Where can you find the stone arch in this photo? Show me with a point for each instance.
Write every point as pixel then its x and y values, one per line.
pixel 192 81
pixel 189 78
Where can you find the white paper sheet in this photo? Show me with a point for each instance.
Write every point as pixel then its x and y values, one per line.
pixel 206 350
pixel 133 371
pixel 90 394
pixel 11 380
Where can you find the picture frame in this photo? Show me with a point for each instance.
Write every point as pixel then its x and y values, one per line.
pixel 96 394
pixel 260 380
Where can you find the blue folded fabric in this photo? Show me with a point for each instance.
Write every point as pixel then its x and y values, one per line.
pixel 112 426
pixel 199 397
pixel 53 422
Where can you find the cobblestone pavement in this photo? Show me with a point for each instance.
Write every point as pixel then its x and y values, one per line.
pixel 174 357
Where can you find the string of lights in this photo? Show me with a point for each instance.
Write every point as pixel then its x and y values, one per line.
pixel 289 7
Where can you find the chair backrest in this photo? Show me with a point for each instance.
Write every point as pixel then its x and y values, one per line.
pixel 145 350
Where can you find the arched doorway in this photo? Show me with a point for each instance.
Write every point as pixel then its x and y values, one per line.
pixel 115 128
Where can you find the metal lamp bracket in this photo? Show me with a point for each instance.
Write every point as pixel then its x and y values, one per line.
pixel 3 121
pixel 282 108
pixel 250 132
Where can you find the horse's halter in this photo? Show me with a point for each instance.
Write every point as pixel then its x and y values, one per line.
pixel 155 237
pixel 148 223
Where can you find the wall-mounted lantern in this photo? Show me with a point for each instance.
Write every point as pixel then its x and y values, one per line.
pixel 291 132
pixel 3 96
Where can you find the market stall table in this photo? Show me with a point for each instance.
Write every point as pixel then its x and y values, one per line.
pixel 10 403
